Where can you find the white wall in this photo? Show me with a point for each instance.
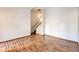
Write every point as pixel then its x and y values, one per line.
pixel 14 23
pixel 62 23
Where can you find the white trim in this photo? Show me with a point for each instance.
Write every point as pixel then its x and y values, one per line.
pixel 62 38
pixel 78 42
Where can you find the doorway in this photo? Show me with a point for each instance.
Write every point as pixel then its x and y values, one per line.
pixel 37 21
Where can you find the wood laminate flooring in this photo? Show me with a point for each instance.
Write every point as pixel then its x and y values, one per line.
pixel 39 43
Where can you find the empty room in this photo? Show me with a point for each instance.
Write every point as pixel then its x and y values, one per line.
pixel 39 29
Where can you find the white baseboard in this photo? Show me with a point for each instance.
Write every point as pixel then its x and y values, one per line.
pixel 63 38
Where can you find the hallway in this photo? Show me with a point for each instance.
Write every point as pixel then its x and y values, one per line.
pixel 38 43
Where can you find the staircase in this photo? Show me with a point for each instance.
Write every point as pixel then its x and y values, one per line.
pixel 36 19
pixel 33 28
